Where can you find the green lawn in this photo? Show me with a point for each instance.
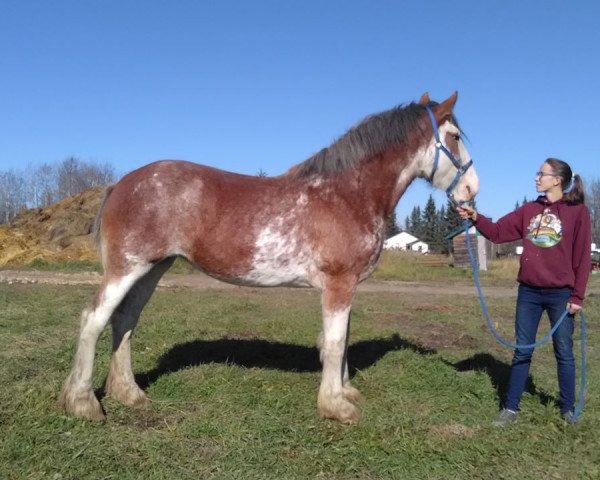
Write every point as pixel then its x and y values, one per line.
pixel 233 377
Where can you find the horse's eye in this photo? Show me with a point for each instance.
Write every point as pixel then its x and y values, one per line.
pixel 457 137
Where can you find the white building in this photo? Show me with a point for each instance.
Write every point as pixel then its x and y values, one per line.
pixel 419 246
pixel 405 241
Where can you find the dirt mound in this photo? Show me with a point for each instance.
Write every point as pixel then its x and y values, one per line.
pixel 60 232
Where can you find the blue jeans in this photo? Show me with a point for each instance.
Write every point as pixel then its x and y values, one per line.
pixel 531 303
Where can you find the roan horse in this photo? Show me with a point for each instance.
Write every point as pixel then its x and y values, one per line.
pixel 321 224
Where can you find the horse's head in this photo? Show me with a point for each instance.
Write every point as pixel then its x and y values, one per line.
pixel 447 163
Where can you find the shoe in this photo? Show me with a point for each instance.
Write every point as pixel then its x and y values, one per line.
pixel 505 416
pixel 569 417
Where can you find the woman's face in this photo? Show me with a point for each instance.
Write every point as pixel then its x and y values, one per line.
pixel 546 179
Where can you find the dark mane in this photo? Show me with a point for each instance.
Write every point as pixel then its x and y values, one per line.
pixel 370 137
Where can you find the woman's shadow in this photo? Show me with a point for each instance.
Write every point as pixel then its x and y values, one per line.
pixel 499 373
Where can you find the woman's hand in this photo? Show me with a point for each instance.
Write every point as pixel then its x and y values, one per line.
pixel 467 212
pixel 573 308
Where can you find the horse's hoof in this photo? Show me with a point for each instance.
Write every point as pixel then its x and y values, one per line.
pixel 130 395
pixel 82 404
pixel 339 409
pixel 352 394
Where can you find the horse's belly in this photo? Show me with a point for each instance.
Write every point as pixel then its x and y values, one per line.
pixel 277 272
pixel 280 257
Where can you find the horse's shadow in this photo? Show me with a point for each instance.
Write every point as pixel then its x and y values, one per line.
pixel 257 353
pixel 499 373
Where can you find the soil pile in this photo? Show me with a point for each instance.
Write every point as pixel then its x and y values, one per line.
pixel 58 233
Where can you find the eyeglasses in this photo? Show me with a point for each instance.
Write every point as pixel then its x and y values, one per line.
pixel 544 174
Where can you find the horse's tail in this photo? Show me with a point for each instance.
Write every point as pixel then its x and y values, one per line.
pixel 98 222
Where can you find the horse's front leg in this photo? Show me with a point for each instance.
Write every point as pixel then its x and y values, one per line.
pixel 333 401
pixel 349 391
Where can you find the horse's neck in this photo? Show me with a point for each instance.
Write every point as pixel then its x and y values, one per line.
pixel 383 180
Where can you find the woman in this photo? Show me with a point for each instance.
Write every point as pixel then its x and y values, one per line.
pixel 553 274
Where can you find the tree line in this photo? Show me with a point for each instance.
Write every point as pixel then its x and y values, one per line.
pixel 38 187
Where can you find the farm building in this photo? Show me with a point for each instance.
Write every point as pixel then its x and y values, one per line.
pixel 406 241
pixel 482 248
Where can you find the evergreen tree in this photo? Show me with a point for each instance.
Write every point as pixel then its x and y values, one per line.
pixel 416 224
pixel 451 224
pixel 407 224
pixel 429 222
pixel 440 232
pixel 391 228
pixel 453 220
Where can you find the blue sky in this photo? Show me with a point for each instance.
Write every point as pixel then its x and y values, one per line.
pixel 246 86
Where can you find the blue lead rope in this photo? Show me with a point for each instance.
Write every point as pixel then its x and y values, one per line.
pixel 531 345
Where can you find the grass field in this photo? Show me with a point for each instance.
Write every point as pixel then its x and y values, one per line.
pixel 233 377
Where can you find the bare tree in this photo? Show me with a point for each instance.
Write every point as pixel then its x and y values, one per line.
pixel 592 200
pixel 41 186
pixel 75 176
pixel 95 175
pixel 69 177
pixel 12 195
pixel 44 185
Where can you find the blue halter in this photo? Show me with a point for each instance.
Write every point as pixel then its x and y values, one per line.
pixel 460 169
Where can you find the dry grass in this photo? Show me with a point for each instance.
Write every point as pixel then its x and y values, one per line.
pixel 58 233
pixel 503 268
pixel 411 266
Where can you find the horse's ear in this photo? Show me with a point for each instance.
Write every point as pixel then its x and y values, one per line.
pixel 424 99
pixel 444 109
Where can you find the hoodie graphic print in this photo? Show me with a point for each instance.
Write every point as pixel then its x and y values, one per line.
pixel 545 229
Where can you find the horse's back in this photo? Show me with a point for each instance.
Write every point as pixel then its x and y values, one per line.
pixel 211 217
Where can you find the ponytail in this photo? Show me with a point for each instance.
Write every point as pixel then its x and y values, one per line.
pixel 575 193
pixel 571 183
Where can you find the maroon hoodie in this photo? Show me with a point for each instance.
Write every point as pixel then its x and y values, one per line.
pixel 556 243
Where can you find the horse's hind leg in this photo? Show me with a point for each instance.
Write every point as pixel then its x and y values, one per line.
pixel 77 396
pixel 120 383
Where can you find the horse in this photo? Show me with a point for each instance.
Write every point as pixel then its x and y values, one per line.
pixel 320 224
